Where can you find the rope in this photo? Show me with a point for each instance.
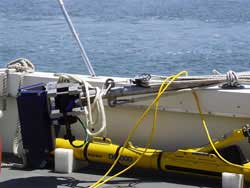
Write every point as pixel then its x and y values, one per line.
pixel 23 66
pixel 232 79
pixel 97 105
pixel 3 92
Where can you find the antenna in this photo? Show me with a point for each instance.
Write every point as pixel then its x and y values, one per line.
pixel 72 29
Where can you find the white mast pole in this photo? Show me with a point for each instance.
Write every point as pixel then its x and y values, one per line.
pixel 72 29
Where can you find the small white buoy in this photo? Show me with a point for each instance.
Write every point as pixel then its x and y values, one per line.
pixel 64 160
pixel 232 180
pixel 1 114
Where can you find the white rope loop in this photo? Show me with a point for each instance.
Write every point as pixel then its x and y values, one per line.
pixel 21 65
pixel 232 78
pixel 97 106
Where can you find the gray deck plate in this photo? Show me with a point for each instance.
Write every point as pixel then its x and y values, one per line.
pixel 136 178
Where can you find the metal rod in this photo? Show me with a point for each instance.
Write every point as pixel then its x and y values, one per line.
pixel 177 85
pixel 72 29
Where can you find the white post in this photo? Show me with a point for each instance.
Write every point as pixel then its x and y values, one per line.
pixel 232 180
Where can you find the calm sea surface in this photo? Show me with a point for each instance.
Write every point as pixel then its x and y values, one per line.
pixel 129 37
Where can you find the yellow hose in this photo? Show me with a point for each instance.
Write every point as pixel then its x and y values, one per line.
pixel 208 134
pixel 137 124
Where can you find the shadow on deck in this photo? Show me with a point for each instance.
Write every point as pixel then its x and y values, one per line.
pixel 134 178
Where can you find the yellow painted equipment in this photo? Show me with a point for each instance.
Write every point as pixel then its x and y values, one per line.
pixel 102 150
pixel 195 160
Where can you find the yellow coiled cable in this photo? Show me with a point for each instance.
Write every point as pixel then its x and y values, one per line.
pixel 137 124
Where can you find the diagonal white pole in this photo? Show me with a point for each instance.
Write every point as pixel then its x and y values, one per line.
pixel 83 53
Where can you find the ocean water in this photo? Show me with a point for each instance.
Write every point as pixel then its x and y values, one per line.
pixel 128 37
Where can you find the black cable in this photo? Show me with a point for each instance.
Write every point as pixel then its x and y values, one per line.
pixel 69 135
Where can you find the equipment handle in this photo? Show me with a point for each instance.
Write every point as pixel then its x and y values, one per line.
pixel 102 140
